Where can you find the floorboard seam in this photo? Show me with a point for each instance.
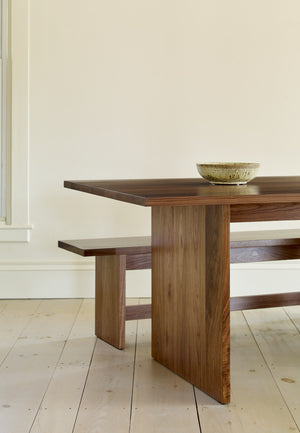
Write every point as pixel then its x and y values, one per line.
pixel 21 332
pixel 84 385
pixel 292 320
pixel 197 410
pixel 133 376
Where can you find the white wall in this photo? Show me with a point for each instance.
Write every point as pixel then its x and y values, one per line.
pixel 147 88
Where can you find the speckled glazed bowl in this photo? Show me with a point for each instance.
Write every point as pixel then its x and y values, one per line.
pixel 229 173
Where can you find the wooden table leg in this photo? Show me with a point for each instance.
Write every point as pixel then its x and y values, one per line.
pixel 190 294
pixel 110 300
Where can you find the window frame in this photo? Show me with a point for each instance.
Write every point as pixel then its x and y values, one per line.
pixel 15 227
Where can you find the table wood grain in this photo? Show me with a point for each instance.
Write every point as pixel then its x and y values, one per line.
pixel 194 191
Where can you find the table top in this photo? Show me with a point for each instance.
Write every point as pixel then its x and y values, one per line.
pixel 195 191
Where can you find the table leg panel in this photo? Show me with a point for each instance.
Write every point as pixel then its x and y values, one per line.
pixel 190 294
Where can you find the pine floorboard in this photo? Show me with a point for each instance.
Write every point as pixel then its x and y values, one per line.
pixel 56 377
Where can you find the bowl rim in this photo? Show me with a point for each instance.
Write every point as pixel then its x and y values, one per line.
pixel 229 164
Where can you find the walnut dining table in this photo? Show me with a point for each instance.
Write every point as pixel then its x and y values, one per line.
pixel 191 263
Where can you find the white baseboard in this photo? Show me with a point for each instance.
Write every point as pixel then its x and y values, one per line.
pixel 49 265
pixel 76 279
pixel 63 279
pixel 47 279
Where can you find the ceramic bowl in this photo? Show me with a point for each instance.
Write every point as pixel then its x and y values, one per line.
pixel 228 173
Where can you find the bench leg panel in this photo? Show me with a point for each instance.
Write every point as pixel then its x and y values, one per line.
pixel 110 307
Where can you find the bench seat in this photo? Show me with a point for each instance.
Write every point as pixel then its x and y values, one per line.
pixel 116 255
pixel 245 247
pixel 108 246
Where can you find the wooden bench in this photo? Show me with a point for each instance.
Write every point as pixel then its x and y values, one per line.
pixel 116 255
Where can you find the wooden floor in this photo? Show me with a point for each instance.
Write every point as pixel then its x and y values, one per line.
pixel 56 378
